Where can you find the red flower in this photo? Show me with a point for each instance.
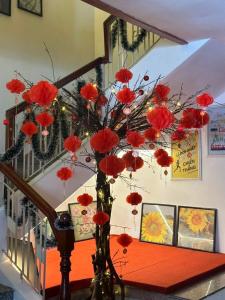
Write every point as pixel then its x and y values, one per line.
pixel 151 134
pixel 15 86
pixel 72 143
pixel 178 135
pixel 135 139
pixel 162 91
pixel 204 99
pixel 160 118
pixel 104 140
pixel 26 97
pixel 89 92
pixel 29 128
pixel 64 173
pixel 125 96
pixel 100 218
pixel 44 119
pixel 124 75
pixel 160 152
pixel 124 240
pixel 85 199
pixel 132 163
pixel 112 165
pixel 134 199
pixel 43 93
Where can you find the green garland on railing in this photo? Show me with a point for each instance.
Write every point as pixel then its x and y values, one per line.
pixel 15 149
pixel 120 27
pixel 99 77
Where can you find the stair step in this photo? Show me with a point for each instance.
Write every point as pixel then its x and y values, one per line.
pixel 6 293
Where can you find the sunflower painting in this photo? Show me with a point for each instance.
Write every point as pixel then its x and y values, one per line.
pixel 196 228
pixel 157 223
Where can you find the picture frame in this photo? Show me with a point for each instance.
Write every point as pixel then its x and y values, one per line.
pixel 158 224
pixel 196 228
pixel 216 131
pixel 84 227
pixel 5 7
pixel 33 6
pixel 186 154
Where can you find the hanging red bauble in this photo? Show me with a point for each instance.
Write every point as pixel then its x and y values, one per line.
pixel 88 159
pixel 160 152
pixel 72 143
pixel 29 128
pixel 132 163
pixel 15 86
pixel 64 173
pixel 89 92
pixel 141 92
pixel 126 96
pixel 43 93
pixel 85 199
pixel 104 140
pixel 162 91
pixel 124 240
pixel 160 118
pixel 179 135
pixel 124 75
pixel 146 78
pixel 204 99
pixel 6 122
pixel 100 218
pixel 102 100
pixel 26 97
pixel 151 134
pixel 134 198
pixel 202 118
pixel 112 165
pixel 135 139
pixel 44 119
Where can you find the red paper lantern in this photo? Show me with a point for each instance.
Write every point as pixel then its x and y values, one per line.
pixel 64 173
pixel 100 218
pixel 132 163
pixel 179 135
pixel 125 96
pixel 15 86
pixel 104 140
pixel 124 75
pixel 194 118
pixel 134 198
pixel 112 165
pixel 124 240
pixel 135 139
pixel 204 99
pixel 165 160
pixel 29 128
pixel 160 152
pixel 85 199
pixel 89 92
pixel 151 134
pixel 202 118
pixel 44 119
pixel 26 97
pixel 72 143
pixel 161 93
pixel 43 93
pixel 160 118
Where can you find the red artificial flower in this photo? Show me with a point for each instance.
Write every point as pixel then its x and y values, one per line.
pixel 112 165
pixel 89 92
pixel 43 93
pixel 125 96
pixel 26 97
pixel 100 218
pixel 162 91
pixel 72 143
pixel 29 128
pixel 160 152
pixel 104 140
pixel 135 139
pixel 124 240
pixel 151 134
pixel 102 100
pixel 194 118
pixel 124 75
pixel 15 86
pixel 132 163
pixel 64 173
pixel 134 198
pixel 179 135
pixel 165 160
pixel 85 199
pixel 204 99
pixel 160 118
pixel 44 119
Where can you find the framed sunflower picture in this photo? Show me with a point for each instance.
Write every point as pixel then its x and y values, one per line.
pixel 158 223
pixel 196 228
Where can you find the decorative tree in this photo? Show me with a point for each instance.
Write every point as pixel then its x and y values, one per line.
pixel 146 116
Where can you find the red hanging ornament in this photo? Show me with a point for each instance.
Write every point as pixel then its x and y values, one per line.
pixel 44 119
pixel 162 91
pixel 134 198
pixel 85 199
pixel 132 163
pixel 64 173
pixel 6 122
pixel 125 96
pixel 104 140
pixel 124 75
pixel 160 152
pixel 194 118
pixel 26 97
pixel 151 134
pixel 15 86
pixel 112 165
pixel 100 218
pixel 29 128
pixel 163 159
pixel 179 135
pixel 72 143
pixel 135 139
pixel 160 118
pixel 43 93
pixel 204 99
pixel 89 92
pixel 202 118
pixel 124 240
pixel 146 78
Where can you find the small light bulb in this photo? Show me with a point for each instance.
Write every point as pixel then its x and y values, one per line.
pixel 87 133
pixel 63 108
pixel 178 103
